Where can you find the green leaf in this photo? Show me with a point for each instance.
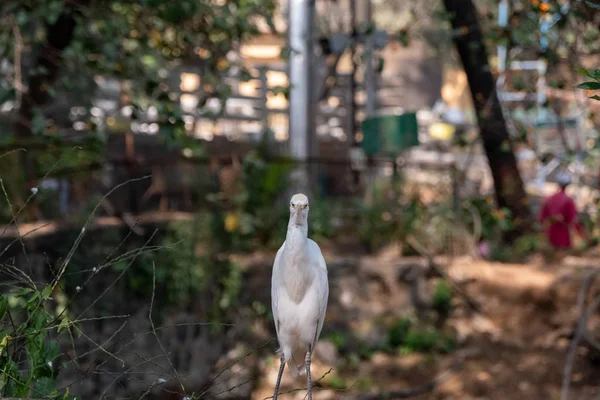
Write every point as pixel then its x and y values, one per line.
pixel 595 97
pixel 4 342
pixel 44 387
pixel 11 381
pixel 589 85
pixel 46 292
pixel 593 5
pixel 38 319
pixel 64 324
pixel 51 350
pixel 584 72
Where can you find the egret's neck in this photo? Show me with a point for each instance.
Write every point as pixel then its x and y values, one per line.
pixel 297 235
pixel 296 275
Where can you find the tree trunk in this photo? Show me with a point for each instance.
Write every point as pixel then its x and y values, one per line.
pixel 510 192
pixel 59 36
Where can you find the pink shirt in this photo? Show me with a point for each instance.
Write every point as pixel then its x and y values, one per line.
pixel 559 209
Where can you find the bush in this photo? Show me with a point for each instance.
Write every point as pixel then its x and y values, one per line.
pixel 442 298
pixel 321 219
pixel 28 337
pixel 493 221
pixel 405 337
pixel 421 340
pixel 398 332
pixel 387 217
pixel 186 264
pixel 428 340
pixel 256 214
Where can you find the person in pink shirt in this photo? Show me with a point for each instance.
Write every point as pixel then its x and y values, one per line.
pixel 559 214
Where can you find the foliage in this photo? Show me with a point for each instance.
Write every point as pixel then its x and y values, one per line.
pixel 322 218
pixel 420 341
pixel 572 29
pixel 387 216
pixel 527 244
pixel 376 227
pixel 406 337
pixel 263 186
pixel 427 340
pixel 61 61
pixel 56 159
pixel 136 43
pixel 184 262
pixel 494 221
pixel 335 382
pixel 180 272
pixel 56 155
pixel 593 85
pixel 193 264
pixel 442 298
pixel 183 267
pixel 398 332
pixel 501 252
pixel 520 249
pixel 257 214
pixel 337 338
pixel 27 337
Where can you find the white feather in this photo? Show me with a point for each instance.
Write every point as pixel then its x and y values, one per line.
pixel 299 289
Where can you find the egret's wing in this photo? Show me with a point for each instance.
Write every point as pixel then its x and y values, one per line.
pixel 324 298
pixel 322 283
pixel 275 282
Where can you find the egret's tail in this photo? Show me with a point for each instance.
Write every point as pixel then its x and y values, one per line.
pixel 294 369
pixel 294 360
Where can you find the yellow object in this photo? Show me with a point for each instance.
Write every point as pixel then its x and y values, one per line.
pixel 222 64
pixel 441 131
pixel 231 222
pixel 4 343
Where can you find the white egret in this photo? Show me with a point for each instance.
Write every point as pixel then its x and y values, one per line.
pixel 299 293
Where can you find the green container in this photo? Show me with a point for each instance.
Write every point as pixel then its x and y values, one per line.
pixel 390 134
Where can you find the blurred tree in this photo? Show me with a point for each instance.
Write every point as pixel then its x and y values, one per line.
pixel 468 38
pixel 53 53
pixel 565 35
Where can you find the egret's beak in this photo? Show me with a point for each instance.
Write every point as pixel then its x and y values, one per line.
pixel 297 215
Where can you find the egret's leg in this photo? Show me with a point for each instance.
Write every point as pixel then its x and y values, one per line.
pixel 308 377
pixel 281 367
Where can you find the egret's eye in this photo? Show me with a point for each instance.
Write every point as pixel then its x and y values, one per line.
pixel 292 204
pixel 305 206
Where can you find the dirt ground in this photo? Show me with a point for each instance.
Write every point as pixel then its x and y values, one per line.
pixel 515 347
